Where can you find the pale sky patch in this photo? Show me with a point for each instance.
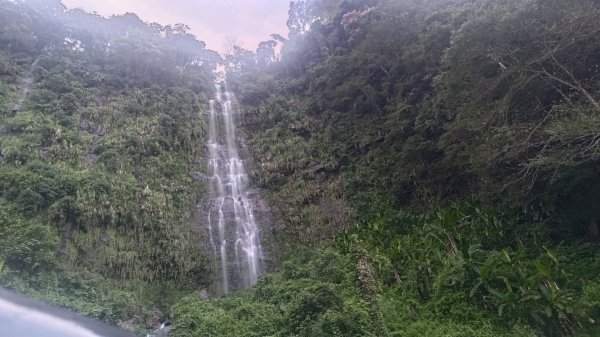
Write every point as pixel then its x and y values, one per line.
pixel 212 21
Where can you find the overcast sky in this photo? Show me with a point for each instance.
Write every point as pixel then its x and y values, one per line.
pixel 212 21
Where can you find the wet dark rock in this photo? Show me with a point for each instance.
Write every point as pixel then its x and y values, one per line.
pixel 155 319
pixel 202 294
pixel 251 193
pixel 228 205
pixel 196 175
pixel 319 168
pixel 162 332
pixel 270 167
pixel 129 325
pixel 91 158
pixel 325 167
pixel 85 125
pixel 260 204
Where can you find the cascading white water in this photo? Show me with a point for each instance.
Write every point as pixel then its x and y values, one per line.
pixel 232 229
pixel 25 88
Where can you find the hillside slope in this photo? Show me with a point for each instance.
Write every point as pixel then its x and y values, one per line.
pixel 385 104
pixel 102 132
pixel 448 149
pixel 431 165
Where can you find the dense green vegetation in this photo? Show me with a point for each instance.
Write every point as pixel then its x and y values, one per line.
pixel 431 165
pixel 310 297
pixel 97 201
pixel 454 272
pixel 386 104
pixel 446 148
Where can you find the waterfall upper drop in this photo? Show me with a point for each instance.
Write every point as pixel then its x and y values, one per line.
pixel 232 228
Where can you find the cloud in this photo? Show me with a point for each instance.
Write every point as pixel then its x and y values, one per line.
pixel 212 21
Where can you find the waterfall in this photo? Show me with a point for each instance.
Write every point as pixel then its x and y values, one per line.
pixel 232 229
pixel 25 87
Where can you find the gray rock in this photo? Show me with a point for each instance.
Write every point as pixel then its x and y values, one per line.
pixel 84 124
pixel 162 331
pixel 202 294
pixel 197 175
pixel 91 158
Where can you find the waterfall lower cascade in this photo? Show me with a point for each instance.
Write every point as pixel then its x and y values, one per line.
pixel 232 228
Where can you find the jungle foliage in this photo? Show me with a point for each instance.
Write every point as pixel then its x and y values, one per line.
pixel 447 148
pixel 460 271
pixel 391 104
pixel 101 131
pixel 432 167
